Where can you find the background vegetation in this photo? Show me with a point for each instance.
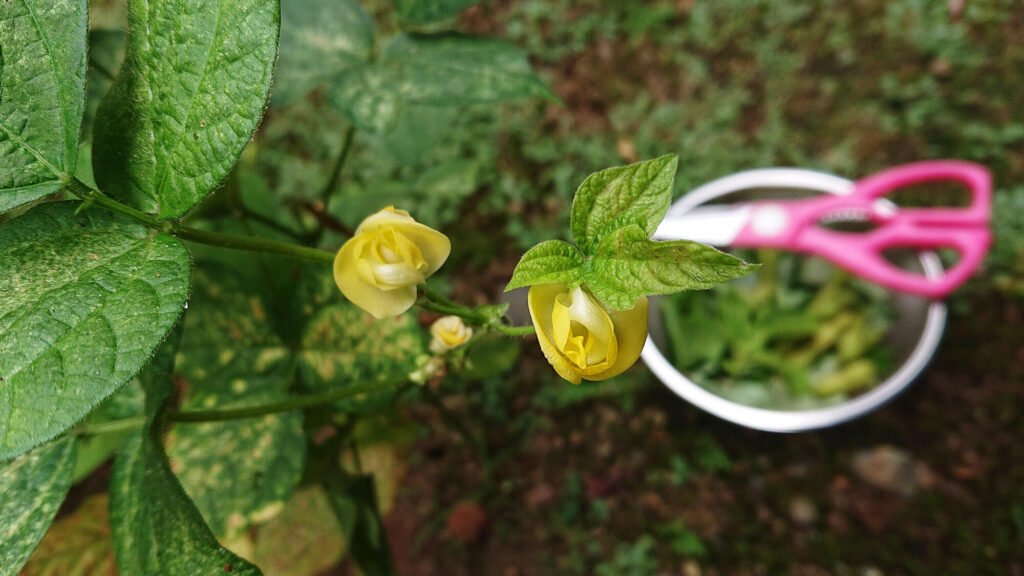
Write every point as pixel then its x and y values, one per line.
pixel 538 477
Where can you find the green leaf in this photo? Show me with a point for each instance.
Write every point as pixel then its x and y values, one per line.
pixel 319 40
pixel 259 461
pixel 78 544
pixel 190 94
pixel 437 70
pixel 415 12
pixel 343 346
pixel 156 528
pixel 629 265
pixel 87 299
pixel 354 500
pixel 230 357
pixel 617 197
pixel 548 262
pixel 95 450
pixel 42 86
pixel 32 488
pixel 227 337
pixel 305 539
pixel 417 132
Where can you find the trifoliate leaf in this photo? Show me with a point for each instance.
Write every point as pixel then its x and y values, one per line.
pixel 628 265
pixel 637 194
pixel 548 262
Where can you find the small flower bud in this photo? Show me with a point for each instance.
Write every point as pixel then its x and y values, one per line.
pixel 447 333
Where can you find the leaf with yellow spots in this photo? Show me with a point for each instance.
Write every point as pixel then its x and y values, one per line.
pixel 343 346
pixel 305 539
pixel 240 472
pixel 78 544
pixel 32 488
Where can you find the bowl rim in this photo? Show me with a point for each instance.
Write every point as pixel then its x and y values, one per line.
pixel 796 420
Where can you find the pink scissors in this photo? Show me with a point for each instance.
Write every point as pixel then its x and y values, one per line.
pixel 796 226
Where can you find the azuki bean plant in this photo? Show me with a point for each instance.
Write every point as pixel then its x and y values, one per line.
pixel 132 327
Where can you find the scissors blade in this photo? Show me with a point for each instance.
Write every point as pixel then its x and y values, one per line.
pixel 714 225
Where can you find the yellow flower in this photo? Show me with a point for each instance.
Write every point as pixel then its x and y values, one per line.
pixel 580 337
pixel 447 333
pixel 379 267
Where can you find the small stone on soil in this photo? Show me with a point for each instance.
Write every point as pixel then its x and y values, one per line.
pixel 891 469
pixel 691 568
pixel 540 495
pixel 467 522
pixel 802 511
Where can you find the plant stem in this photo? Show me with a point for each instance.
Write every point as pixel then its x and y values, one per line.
pixel 283 406
pixel 197 416
pixel 326 220
pixel 435 302
pixel 111 426
pixel 252 244
pixel 442 305
pixel 233 241
pixel 319 210
pixel 332 182
pixel 527 330
pixel 93 196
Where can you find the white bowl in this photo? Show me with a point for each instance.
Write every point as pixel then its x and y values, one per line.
pixel 913 337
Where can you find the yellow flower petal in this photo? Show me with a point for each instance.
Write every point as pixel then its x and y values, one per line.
pixel 434 246
pixel 368 296
pixel 631 333
pixel 580 338
pixel 583 331
pixel 388 215
pixel 540 298
pixel 379 267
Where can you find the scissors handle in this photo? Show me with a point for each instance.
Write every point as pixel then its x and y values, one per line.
pixel 795 225
pixel 865 255
pixel 974 176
